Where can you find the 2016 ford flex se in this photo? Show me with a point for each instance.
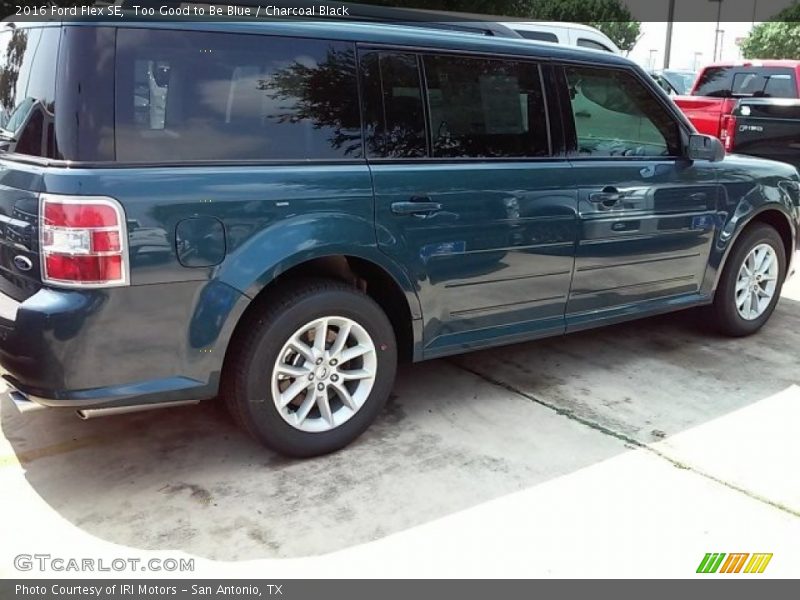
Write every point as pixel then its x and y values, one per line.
pixel 276 213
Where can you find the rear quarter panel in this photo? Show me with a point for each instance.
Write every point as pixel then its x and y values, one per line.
pixel 176 319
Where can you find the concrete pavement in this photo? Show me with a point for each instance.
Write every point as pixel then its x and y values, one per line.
pixel 626 451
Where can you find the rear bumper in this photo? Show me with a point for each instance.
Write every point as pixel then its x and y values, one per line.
pixel 170 390
pixel 119 347
pixel 25 403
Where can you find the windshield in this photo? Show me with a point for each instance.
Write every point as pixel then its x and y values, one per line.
pixel 681 81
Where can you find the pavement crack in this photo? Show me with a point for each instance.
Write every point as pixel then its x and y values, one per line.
pixel 631 441
pixel 557 409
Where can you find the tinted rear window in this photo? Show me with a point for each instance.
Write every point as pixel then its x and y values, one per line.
pixel 214 96
pixel 541 36
pixel 28 58
pixel 725 82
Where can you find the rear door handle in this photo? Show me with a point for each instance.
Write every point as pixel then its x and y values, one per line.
pixel 416 206
pixel 608 196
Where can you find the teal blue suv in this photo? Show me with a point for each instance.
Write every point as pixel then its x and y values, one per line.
pixel 276 213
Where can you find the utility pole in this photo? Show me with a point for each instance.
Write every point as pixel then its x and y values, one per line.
pixel 716 29
pixel 670 21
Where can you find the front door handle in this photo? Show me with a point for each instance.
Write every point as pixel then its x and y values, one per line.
pixel 421 207
pixel 608 196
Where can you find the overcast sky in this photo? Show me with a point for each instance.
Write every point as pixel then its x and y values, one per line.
pixel 736 17
pixel 692 44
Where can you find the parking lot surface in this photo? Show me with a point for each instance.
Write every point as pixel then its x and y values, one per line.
pixel 625 451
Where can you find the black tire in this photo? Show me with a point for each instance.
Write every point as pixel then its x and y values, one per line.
pixel 724 311
pixel 246 386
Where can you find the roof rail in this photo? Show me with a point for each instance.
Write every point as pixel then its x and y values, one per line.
pixel 462 22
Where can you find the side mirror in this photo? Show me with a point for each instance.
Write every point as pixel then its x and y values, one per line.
pixel 705 147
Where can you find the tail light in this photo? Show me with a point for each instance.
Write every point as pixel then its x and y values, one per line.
pixel 727 132
pixel 83 241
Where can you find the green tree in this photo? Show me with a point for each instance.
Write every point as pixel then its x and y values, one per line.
pixel 777 38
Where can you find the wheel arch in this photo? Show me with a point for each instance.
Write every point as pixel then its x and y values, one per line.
pixel 381 283
pixel 774 215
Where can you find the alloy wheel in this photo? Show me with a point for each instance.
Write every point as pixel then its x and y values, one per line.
pixel 324 374
pixel 756 282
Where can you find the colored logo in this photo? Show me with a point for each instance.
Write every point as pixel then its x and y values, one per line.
pixel 738 562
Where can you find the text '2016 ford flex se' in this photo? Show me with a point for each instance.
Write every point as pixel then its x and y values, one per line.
pixel 275 213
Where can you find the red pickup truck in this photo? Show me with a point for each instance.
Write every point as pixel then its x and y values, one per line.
pixel 719 87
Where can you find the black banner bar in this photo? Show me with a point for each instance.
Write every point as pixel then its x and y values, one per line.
pixel 403 11
pixel 160 589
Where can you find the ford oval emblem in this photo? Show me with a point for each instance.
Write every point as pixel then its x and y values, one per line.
pixel 23 263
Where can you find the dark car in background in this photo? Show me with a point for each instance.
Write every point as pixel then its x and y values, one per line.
pixel 277 212
pixel 675 82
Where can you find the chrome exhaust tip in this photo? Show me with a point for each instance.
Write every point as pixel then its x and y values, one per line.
pixel 93 413
pixel 24 404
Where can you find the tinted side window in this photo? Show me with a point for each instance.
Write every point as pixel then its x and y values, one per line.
pixel 592 44
pixel 542 36
pixel 615 115
pixel 28 59
pixel 485 108
pixel 394 116
pixel 217 96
